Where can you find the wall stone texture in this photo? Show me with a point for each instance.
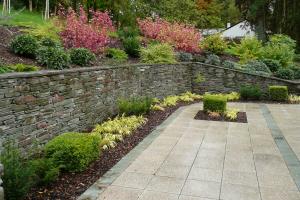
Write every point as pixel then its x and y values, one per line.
pixel 39 105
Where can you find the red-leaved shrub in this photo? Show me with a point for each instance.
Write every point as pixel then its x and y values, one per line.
pixel 93 35
pixel 182 37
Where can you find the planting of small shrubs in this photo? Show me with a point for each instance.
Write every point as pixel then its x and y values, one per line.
pixel 24 68
pixel 285 73
pixel 182 37
pixel 53 58
pixel 250 48
pixel 132 46
pixel 213 59
pixel 73 151
pixel 257 67
pixel 250 92
pixel 273 65
pixel 229 64
pixel 281 48
pixel 25 45
pixel 214 44
pixel 278 93
pixel 49 42
pixel 116 54
pixel 214 103
pixel 81 56
pixel 158 53
pixel 135 106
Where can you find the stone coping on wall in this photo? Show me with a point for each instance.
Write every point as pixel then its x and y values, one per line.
pixel 107 67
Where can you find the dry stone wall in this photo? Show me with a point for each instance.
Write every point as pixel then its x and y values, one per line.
pixel 40 105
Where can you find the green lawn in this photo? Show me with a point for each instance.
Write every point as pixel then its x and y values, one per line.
pixel 22 18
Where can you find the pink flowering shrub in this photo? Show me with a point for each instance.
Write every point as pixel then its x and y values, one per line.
pixel 93 35
pixel 182 37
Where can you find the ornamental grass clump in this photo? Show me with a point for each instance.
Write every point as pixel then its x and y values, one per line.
pixel 135 106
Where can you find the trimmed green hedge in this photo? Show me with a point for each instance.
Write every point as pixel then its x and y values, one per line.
pixel 250 92
pixel 214 103
pixel 73 151
pixel 278 93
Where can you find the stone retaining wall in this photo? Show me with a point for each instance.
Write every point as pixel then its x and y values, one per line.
pixel 41 105
pixel 220 79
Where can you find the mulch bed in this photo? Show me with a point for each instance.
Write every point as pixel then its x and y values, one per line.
pixel 72 185
pixel 201 115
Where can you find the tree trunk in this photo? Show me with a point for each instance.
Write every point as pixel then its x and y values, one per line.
pixel 47 14
pixel 30 5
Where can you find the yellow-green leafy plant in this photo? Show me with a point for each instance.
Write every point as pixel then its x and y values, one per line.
pixel 155 100
pixel 233 96
pixel 192 95
pixel 231 113
pixel 199 78
pixel 294 99
pixel 24 68
pixel 158 53
pixel 157 107
pixel 214 44
pixel 170 101
pixel 115 130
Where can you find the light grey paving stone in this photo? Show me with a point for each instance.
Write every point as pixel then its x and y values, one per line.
pixel 209 162
pixel 272 164
pixel 174 171
pixel 240 178
pixel 166 184
pixel 212 153
pixel 233 164
pixel 120 193
pixel 276 181
pixel 207 189
pixel 154 195
pixel 140 166
pixel 276 194
pixel 183 197
pixel 203 174
pixel 180 159
pixel 239 192
pixel 133 180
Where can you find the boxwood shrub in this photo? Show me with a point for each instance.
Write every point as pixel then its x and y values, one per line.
pixel 285 73
pixel 25 45
pixel 278 93
pixel 73 151
pixel 214 103
pixel 81 56
pixel 53 58
pixel 250 92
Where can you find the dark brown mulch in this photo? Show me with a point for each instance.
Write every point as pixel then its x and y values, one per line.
pixel 72 185
pixel 7 33
pixel 201 115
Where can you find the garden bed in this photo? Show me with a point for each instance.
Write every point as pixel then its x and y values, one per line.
pixel 72 185
pixel 201 115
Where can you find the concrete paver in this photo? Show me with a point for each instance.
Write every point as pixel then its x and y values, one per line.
pixel 205 160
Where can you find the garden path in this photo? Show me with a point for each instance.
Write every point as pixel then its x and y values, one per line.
pixel 189 159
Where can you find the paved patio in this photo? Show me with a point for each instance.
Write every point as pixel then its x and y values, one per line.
pixel 189 159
